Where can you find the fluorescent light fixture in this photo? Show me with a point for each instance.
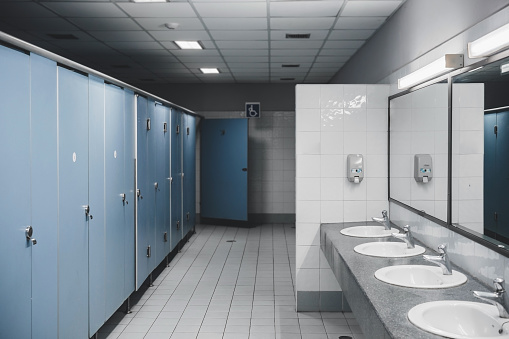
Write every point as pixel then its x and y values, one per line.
pixel 489 43
pixel 504 68
pixel 475 69
pixel 209 70
pixel 188 44
pixel 438 67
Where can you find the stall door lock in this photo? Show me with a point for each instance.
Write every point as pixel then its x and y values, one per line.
pixel 187 216
pixel 138 194
pixel 87 212
pixel 165 236
pixel 178 224
pixel 28 233
pixel 124 199
pixel 149 252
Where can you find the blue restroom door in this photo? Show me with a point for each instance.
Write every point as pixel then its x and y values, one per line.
pixel 502 170
pixel 189 164
pixel 73 202
pixel 114 196
pixel 97 225
pixel 176 184
pixel 224 145
pixel 15 249
pixel 490 181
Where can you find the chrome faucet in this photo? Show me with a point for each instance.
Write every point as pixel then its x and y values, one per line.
pixel 406 237
pixel 498 298
pixel 441 260
pixel 384 220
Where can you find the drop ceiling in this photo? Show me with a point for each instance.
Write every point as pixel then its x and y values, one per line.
pixel 246 40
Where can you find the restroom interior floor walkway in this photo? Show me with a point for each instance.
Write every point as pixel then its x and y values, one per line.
pixel 217 288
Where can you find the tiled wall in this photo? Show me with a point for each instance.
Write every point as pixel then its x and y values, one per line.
pixel 271 164
pixel 468 155
pixel 419 125
pixel 333 121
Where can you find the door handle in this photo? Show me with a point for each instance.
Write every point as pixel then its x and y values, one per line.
pixel 244 169
pixel 87 212
pixel 28 234
pixel 124 200
pixel 138 193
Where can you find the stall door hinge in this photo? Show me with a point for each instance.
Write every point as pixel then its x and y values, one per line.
pixel 149 252
pixel 148 124
pixel 165 236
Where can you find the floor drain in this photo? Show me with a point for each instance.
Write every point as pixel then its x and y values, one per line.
pixel 231 240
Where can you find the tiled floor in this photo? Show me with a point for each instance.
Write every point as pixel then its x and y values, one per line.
pixel 218 289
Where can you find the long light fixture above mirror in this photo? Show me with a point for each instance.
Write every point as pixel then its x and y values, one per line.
pixel 489 43
pixel 438 67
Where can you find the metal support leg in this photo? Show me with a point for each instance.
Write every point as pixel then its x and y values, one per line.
pixel 150 281
pixel 167 262
pixel 128 306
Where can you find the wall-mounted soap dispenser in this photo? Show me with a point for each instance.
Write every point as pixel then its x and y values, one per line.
pixel 423 168
pixel 355 168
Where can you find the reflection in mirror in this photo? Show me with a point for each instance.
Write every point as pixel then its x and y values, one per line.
pixel 480 185
pixel 419 126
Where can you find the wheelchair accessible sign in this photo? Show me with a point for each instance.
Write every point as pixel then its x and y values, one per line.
pixel 252 109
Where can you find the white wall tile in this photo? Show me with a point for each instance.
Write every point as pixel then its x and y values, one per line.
pixel 308 211
pixel 354 143
pixel 355 96
pixel 308 279
pixel 332 120
pixel 331 96
pixel 307 256
pixel 376 188
pixel 331 211
pixel 307 96
pixel 328 281
pixel 308 189
pixel 355 119
pixel 332 143
pixel 377 120
pixel 353 191
pixel 307 234
pixel 308 120
pixel 376 143
pixel 308 143
pixel 376 166
pixel 377 96
pixel 332 166
pixel 354 211
pixel 308 166
pixel 331 189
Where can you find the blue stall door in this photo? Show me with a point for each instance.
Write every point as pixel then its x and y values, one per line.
pixel 15 249
pixel 176 176
pixel 189 164
pixel 224 145
pixel 73 203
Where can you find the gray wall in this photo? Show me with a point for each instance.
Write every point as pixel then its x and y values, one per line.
pixel 226 97
pixel 417 28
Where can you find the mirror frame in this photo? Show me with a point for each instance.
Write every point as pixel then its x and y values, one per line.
pixel 488 242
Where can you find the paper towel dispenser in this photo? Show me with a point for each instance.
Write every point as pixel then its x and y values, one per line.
pixel 423 168
pixel 355 168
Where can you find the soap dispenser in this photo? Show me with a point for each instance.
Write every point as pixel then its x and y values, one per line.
pixel 423 168
pixel 355 168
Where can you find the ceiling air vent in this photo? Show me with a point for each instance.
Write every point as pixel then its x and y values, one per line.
pixel 287 79
pixel 298 36
pixel 290 65
pixel 63 36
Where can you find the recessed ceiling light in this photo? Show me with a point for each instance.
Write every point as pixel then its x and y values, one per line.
pixel 209 70
pixel 188 44
pixel 149 0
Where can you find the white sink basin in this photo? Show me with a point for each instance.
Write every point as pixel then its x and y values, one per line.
pixel 419 276
pixel 459 319
pixel 388 249
pixel 368 231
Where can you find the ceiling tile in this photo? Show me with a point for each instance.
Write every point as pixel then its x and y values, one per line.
pixel 198 65
pixel 24 10
pixel 157 24
pixel 332 59
pixel 240 35
pixel 42 24
pixel 204 59
pixel 137 45
pixel 252 65
pixel 297 44
pixel 301 23
pixel 43 35
pixel 158 10
pixel 235 23
pixel 305 8
pixel 359 23
pixel 254 44
pixel 85 9
pixel 179 35
pixel 247 52
pixel 338 51
pixel 294 52
pixel 195 52
pixel 328 64
pixel 234 59
pixel 122 36
pixel 344 43
pixel 242 9
pixel 315 34
pixel 370 8
pixel 115 24
pixel 292 59
pixel 351 34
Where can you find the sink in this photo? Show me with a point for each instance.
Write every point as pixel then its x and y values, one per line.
pixel 388 249
pixel 419 276
pixel 459 319
pixel 368 231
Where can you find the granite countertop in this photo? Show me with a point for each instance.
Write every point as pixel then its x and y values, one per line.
pixel 389 303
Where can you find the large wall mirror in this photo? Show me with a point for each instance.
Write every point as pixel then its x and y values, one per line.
pixel 418 150
pixel 480 181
